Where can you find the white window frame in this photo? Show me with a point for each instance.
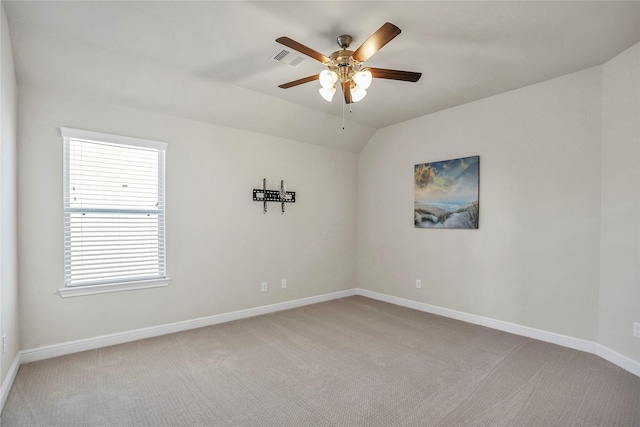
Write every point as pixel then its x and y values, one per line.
pixel 90 289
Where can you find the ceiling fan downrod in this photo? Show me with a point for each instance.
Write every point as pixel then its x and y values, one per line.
pixel 344 41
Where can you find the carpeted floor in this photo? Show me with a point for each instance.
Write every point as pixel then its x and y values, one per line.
pixel 349 362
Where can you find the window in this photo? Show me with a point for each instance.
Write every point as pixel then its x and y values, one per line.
pixel 114 234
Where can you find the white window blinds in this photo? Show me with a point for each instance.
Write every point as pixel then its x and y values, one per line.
pixel 113 209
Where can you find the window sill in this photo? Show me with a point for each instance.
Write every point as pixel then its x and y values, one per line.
pixel 78 291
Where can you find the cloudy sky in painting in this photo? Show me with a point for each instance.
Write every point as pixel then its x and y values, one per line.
pixel 448 180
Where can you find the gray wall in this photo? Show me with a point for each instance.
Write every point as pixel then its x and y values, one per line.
pixel 545 195
pixel 620 232
pixel 8 203
pixel 220 245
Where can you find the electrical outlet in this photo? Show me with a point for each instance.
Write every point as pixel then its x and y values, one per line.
pixel 636 329
pixel 283 283
pixel 263 286
pixel 418 284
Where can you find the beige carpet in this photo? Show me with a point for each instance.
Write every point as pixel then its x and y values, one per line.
pixel 349 362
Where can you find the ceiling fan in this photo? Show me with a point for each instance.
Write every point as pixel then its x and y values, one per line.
pixel 345 66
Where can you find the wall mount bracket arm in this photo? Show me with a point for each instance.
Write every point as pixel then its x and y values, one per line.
pixel 279 196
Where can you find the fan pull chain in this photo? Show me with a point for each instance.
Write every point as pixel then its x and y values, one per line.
pixel 343 102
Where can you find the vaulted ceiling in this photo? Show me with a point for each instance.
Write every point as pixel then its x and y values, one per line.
pixel 212 60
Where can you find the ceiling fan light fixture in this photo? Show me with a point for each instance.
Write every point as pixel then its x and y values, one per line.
pixel 327 92
pixel 363 78
pixel 344 67
pixel 357 93
pixel 328 79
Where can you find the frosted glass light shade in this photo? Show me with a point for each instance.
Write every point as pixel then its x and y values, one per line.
pixel 327 92
pixel 328 78
pixel 363 79
pixel 357 93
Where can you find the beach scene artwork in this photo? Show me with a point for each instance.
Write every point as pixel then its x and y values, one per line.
pixel 446 193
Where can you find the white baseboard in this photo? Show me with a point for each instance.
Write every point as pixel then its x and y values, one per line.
pixel 46 352
pixel 563 340
pixel 618 359
pixel 8 380
pixel 538 334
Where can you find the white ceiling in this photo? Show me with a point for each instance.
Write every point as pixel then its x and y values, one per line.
pixel 210 60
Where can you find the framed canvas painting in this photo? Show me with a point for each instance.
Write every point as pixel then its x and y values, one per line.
pixel 447 193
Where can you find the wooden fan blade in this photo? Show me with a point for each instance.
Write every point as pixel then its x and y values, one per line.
pixel 304 49
pixel 346 88
pixel 383 73
pixel 299 81
pixel 384 35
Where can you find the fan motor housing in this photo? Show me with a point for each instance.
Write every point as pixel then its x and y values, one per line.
pixel 341 57
pixel 343 64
